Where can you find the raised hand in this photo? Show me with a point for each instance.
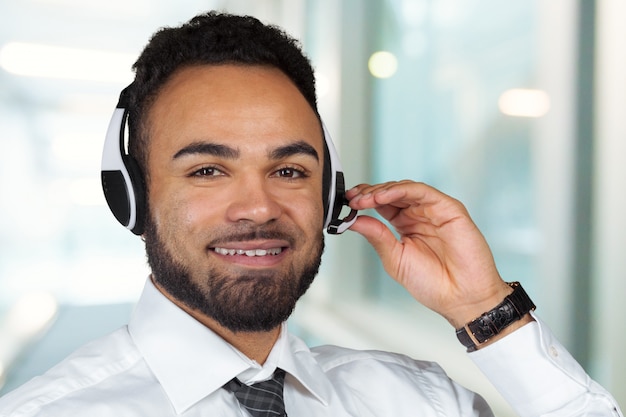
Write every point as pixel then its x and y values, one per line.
pixel 438 254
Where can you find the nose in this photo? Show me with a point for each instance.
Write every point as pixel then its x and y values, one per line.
pixel 253 201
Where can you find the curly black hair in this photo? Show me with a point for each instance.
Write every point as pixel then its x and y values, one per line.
pixel 210 38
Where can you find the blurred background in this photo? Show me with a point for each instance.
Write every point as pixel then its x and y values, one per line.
pixel 516 108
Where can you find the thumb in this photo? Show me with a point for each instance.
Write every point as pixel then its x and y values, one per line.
pixel 379 236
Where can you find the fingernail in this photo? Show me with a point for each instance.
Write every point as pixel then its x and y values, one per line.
pixel 356 198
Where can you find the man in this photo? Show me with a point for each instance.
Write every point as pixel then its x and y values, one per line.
pixel 235 162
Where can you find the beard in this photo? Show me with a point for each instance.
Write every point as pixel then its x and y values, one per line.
pixel 249 301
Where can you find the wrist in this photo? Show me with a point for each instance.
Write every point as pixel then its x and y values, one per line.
pixel 464 314
pixel 494 324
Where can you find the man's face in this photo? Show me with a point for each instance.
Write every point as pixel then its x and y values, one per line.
pixel 235 183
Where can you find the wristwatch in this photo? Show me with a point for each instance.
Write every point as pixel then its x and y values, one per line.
pixel 515 306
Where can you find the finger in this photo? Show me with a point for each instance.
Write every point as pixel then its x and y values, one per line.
pixel 405 202
pixel 370 188
pixel 352 192
pixel 406 193
pixel 379 236
pixel 369 196
pixel 364 196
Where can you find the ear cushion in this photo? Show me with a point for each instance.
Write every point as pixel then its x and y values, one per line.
pixel 126 199
pixel 116 195
pixel 122 180
pixel 334 190
pixel 327 184
pixel 139 193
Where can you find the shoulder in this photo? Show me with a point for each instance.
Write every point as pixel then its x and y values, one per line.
pixel 84 371
pixel 376 374
pixel 332 357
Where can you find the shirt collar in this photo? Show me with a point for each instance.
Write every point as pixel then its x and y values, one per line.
pixel 190 361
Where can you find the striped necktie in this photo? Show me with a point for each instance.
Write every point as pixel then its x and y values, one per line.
pixel 263 399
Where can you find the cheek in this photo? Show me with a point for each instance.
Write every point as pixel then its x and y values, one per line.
pixel 175 212
pixel 199 212
pixel 307 211
pixel 196 213
pixel 319 214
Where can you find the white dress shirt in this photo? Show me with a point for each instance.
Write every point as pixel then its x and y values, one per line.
pixel 165 363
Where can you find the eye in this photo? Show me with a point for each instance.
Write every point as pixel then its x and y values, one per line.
pixel 208 171
pixel 290 173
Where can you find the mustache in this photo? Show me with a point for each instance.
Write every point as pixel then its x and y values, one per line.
pixel 261 233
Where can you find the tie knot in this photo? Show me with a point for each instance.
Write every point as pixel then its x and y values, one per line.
pixel 263 399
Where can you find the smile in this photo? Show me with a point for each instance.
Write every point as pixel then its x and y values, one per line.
pixel 249 252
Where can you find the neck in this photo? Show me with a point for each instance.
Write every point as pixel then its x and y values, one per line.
pixel 255 345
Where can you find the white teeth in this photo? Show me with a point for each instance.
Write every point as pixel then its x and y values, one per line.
pixel 251 252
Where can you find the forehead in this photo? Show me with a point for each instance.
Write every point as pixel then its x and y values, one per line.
pixel 231 103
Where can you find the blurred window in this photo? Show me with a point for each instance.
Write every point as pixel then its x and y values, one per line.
pixel 453 106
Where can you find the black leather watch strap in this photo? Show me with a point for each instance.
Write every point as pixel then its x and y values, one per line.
pixel 513 308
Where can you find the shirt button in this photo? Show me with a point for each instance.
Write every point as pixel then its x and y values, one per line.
pixel 553 352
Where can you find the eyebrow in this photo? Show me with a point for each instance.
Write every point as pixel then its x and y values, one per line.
pixel 227 152
pixel 297 148
pixel 208 148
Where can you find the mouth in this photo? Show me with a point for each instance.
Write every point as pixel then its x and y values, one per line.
pixel 261 253
pixel 248 252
